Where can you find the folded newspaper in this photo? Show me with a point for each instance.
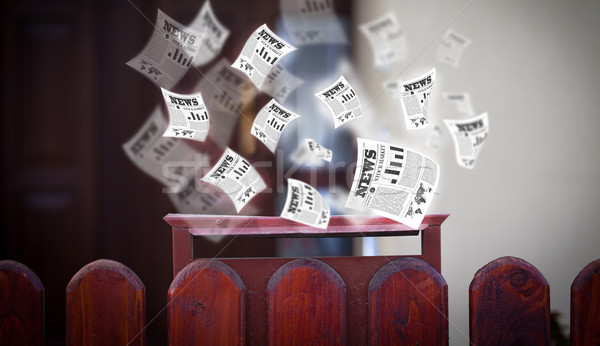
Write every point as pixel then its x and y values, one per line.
pixel 461 101
pixel 188 116
pixel 226 93
pixel 261 51
pixel 414 95
pixel 215 34
pixel 280 83
pixel 469 136
pixel 433 138
pixel 452 47
pixel 156 155
pixel 394 182
pixel 318 150
pixel 302 155
pixel 270 122
pixel 192 201
pixel 236 177
pixel 169 53
pixel 312 22
pixel 304 204
pixel 386 38
pixel 199 197
pixel 342 101
pixel 226 89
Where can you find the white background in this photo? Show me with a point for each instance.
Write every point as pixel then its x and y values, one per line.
pixel 534 192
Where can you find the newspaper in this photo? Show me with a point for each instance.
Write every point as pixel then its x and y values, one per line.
pixel 169 53
pixel 215 34
pixel 452 47
pixel 199 197
pixel 236 177
pixel 270 122
pixel 312 22
pixel 226 89
pixel 394 182
pixel 414 95
pixel 192 201
pixel 303 155
pixel 468 135
pixel 304 204
pixel 188 116
pixel 342 101
pixel 261 51
pixel 462 102
pixel 318 150
pixel 433 138
pixel 393 88
pixel 386 38
pixel 153 153
pixel 226 94
pixel 280 83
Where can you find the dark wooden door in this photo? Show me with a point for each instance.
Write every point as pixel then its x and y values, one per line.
pixel 50 210
pixel 69 193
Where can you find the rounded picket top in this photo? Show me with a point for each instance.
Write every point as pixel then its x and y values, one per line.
pixel 306 305
pixel 106 305
pixel 585 306
pixel 21 305
pixel 207 302
pixel 509 303
pixel 408 304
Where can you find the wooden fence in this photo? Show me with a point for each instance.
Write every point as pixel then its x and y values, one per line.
pixel 305 301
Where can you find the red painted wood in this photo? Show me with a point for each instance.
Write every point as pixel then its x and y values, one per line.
pixel 408 303
pixel 182 249
pixel 21 305
pixel 183 226
pixel 356 272
pixel 509 303
pixel 306 305
pixel 585 306
pixel 206 305
pixel 431 246
pixel 255 272
pixel 105 306
pixel 350 225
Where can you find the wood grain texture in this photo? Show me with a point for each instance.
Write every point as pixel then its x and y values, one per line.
pixel 408 305
pixel 585 306
pixel 509 304
pixel 355 271
pixel 105 306
pixel 306 302
pixel 207 305
pixel 21 305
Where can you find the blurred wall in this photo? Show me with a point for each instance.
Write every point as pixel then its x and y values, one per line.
pixel 534 193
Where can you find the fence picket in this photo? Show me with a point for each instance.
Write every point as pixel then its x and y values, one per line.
pixel 105 306
pixel 408 303
pixel 21 305
pixel 509 303
pixel 207 305
pixel 306 305
pixel 585 306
